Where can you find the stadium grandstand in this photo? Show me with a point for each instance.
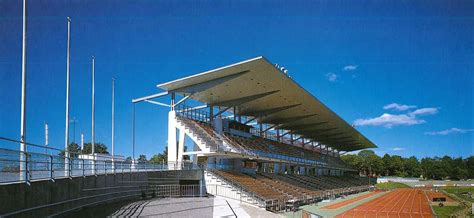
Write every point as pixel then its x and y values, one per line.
pixel 260 137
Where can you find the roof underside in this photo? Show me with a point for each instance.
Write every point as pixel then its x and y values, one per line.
pixel 258 89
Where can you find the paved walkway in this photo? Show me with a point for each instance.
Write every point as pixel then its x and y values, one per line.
pixel 191 207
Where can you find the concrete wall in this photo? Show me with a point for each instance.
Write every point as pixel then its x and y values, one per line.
pixel 18 196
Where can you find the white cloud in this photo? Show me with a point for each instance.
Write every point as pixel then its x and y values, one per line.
pixel 332 77
pixel 424 111
pixel 398 107
pixel 350 67
pixel 398 149
pixel 389 120
pixel 407 118
pixel 449 131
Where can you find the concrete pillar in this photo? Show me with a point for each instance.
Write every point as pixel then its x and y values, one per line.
pixel 172 147
pixel 217 123
pixel 195 156
pixel 181 144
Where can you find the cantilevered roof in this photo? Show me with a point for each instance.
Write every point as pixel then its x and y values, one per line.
pixel 258 89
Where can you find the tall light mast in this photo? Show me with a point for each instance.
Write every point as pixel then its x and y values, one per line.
pixel 113 116
pixel 46 136
pixel 66 134
pixel 23 100
pixel 93 110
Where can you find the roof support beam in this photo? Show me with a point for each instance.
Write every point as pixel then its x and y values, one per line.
pixel 286 133
pixel 182 100
pixel 222 111
pixel 326 135
pixel 243 100
pixel 157 103
pixel 248 121
pixel 311 132
pixel 267 112
pixel 287 120
pixel 272 126
pixel 301 126
pixel 193 108
pixel 136 100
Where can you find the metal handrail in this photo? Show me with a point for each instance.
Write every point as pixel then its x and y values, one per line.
pixel 41 166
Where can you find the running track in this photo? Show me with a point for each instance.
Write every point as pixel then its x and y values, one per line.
pixel 397 203
pixel 349 201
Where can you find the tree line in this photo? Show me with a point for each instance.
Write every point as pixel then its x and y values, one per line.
pixel 369 163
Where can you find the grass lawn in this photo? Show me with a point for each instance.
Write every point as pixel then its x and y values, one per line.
pixel 446 211
pixel 457 191
pixel 391 185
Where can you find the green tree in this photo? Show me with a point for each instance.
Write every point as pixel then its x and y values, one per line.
pixel 100 148
pixel 161 157
pixel 387 159
pixel 470 167
pixel 397 166
pixel 370 163
pixel 412 167
pixel 73 150
pixel 142 159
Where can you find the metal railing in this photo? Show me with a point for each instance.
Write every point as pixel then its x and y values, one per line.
pixel 41 162
pixel 192 113
pixel 211 141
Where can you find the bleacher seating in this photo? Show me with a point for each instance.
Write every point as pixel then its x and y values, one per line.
pixel 281 189
pixel 259 146
pixel 292 187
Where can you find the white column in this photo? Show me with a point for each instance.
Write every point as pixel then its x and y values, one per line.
pixel 172 147
pixel 181 145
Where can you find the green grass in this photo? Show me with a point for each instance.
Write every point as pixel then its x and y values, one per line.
pixel 446 211
pixel 457 191
pixel 391 185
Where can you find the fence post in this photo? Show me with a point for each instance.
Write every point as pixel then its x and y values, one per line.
pixel 94 165
pixel 27 168
pixel 69 167
pixel 51 167
pixel 83 168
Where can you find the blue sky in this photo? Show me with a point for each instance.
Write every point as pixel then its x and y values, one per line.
pixel 415 58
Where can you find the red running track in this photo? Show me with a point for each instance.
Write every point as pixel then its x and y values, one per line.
pixel 349 201
pixel 397 203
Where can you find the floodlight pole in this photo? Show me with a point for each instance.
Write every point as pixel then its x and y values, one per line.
pixel 66 134
pixel 23 173
pixel 133 134
pixel 93 109
pixel 113 113
pixel 46 137
pixel 82 142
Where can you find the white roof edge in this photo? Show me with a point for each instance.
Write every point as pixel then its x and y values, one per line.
pixel 161 86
